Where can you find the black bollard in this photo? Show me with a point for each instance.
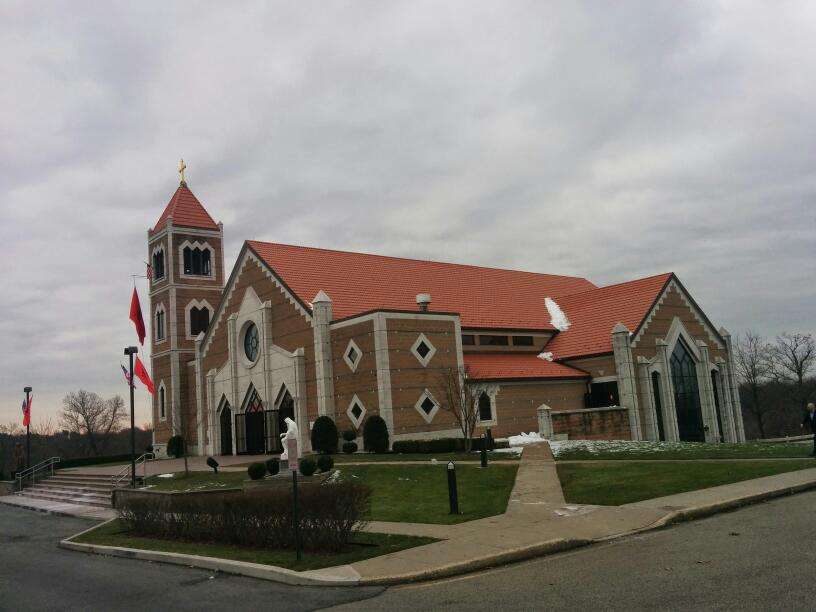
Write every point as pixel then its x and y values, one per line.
pixel 453 494
pixel 483 454
pixel 295 520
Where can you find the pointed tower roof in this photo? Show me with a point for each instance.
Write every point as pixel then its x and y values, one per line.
pixel 186 211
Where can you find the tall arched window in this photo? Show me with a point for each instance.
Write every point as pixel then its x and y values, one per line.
pixel 715 386
pixel 199 320
pixel 158 265
pixel 686 394
pixel 485 407
pixel 160 324
pixel 658 404
pixel 162 405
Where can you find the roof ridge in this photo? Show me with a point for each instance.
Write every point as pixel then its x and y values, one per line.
pixel 634 280
pixel 412 259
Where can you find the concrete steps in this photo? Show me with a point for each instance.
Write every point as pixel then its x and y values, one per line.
pixel 81 489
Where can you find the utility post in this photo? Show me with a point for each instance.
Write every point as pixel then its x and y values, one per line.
pixel 130 352
pixel 28 428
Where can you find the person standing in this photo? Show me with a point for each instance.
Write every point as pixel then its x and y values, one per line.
pixel 810 421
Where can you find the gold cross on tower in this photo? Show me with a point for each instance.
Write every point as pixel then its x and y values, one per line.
pixel 181 168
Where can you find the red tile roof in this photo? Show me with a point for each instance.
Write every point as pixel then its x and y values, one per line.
pixel 186 211
pixel 594 313
pixel 496 366
pixel 358 282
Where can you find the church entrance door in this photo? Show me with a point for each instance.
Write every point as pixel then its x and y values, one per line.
pixel 226 430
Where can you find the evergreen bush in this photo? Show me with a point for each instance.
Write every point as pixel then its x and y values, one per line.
pixel 307 466
pixel 375 435
pixel 349 435
pixel 325 463
pixel 324 435
pixel 256 471
pixel 349 448
pixel 175 447
pixel 273 466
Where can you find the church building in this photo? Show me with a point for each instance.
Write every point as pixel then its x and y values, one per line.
pixel 300 332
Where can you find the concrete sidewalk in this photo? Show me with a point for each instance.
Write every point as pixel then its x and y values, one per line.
pixel 537 522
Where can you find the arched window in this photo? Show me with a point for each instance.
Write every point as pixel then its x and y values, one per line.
pixel 658 404
pixel 158 265
pixel 162 405
pixel 485 407
pixel 686 394
pixel 199 320
pixel 196 261
pixel 715 387
pixel 160 324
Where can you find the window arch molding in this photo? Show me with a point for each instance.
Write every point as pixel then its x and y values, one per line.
pixel 158 263
pixel 203 247
pixel 188 316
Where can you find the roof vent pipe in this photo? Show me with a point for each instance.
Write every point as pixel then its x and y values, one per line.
pixel 423 300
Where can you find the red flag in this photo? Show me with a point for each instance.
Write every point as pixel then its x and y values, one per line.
pixel 27 411
pixel 141 373
pixel 136 316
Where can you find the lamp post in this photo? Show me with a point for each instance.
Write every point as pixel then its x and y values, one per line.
pixel 130 352
pixel 28 429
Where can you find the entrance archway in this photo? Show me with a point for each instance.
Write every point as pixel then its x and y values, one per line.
pixel 225 420
pixel 686 394
pixel 254 424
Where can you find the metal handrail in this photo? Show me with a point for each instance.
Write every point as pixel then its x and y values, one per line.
pixel 124 473
pixel 34 469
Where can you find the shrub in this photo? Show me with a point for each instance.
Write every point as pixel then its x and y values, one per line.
pixel 349 448
pixel 442 445
pixel 273 465
pixel 324 435
pixel 328 517
pixel 66 463
pixel 175 447
pixel 256 471
pixel 307 466
pixel 349 435
pixel 375 435
pixel 325 463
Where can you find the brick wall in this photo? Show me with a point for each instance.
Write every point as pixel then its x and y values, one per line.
pixel 593 425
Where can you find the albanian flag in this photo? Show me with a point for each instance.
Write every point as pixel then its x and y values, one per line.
pixel 136 316
pixel 141 373
pixel 27 411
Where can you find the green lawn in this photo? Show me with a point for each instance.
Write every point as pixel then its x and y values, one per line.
pixel 405 493
pixel 440 457
pixel 612 450
pixel 364 546
pixel 613 484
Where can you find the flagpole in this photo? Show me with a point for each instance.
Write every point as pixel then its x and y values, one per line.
pixel 130 351
pixel 28 428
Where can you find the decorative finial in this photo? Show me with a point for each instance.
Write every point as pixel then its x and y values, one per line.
pixel 181 168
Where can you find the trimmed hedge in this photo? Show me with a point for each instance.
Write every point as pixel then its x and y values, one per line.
pixel 273 466
pixel 256 471
pixel 375 435
pixel 329 515
pixel 349 448
pixel 349 435
pixel 324 435
pixel 325 463
pixel 440 445
pixel 307 466
pixel 175 447
pixel 79 462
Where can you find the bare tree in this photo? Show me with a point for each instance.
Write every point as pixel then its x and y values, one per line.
pixel 458 398
pixel 754 361
pixel 44 428
pixel 794 361
pixel 85 413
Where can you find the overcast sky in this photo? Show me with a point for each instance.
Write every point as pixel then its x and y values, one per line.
pixel 609 140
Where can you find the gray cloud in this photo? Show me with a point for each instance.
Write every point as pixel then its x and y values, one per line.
pixel 580 138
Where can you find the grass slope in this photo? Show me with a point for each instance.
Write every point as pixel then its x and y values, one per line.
pixel 613 484
pixel 401 493
pixel 612 450
pixel 365 546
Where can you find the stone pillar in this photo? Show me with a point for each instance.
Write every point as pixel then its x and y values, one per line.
pixel 266 349
pixel 726 409
pixel 299 397
pixel 733 387
pixel 650 429
pixel 232 356
pixel 545 427
pixel 667 392
pixel 212 433
pixel 202 440
pixel 625 367
pixel 382 359
pixel 322 316
pixel 706 390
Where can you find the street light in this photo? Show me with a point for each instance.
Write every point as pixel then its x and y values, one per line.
pixel 28 428
pixel 130 352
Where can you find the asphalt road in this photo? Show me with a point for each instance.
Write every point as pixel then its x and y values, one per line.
pixel 758 558
pixel 761 557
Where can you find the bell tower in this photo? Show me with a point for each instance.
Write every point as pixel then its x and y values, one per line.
pixel 185 251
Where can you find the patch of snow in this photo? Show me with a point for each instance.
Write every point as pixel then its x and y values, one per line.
pixel 165 476
pixel 545 355
pixel 334 477
pixel 434 461
pixel 508 451
pixel 525 438
pixel 558 319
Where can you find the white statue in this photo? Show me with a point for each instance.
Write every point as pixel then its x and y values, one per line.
pixel 291 434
